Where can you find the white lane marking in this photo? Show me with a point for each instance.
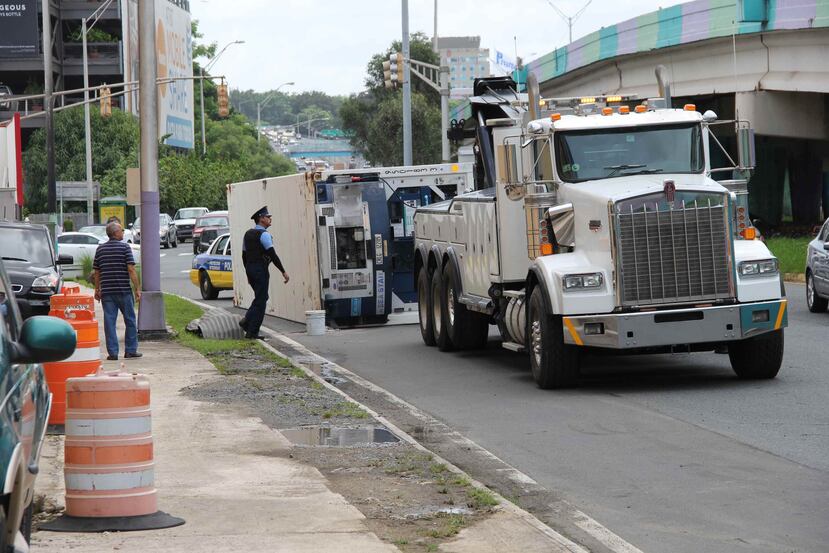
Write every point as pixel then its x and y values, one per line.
pixel 184 254
pixel 187 271
pixel 108 427
pixel 112 481
pixel 162 254
pixel 605 536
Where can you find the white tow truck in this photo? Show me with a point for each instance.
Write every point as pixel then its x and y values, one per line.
pixel 596 224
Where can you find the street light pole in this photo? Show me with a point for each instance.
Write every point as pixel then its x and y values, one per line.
pixel 201 90
pixel 407 90
pixel 263 103
pixel 85 27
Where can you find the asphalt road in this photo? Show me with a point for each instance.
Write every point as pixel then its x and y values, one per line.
pixel 672 453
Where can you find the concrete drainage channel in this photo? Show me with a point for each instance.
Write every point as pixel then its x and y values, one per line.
pixel 542 509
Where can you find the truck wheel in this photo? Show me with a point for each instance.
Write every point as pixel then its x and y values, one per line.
pixel 554 364
pixel 815 303
pixel 466 329
pixel 26 522
pixel 757 358
pixel 424 307
pixel 442 338
pixel 208 291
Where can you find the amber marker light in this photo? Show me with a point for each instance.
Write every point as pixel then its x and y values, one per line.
pixel 749 233
pixel 555 117
pixel 546 249
pixel 624 110
pixel 641 108
pixel 607 111
pixel 690 107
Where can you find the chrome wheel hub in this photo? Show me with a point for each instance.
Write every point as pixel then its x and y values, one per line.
pixel 450 306
pixel 536 343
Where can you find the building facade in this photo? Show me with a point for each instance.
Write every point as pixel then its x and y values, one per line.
pixel 465 58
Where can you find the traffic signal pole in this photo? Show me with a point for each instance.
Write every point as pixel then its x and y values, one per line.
pixel 407 90
pixel 151 317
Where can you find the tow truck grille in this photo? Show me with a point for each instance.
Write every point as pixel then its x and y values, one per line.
pixel 673 255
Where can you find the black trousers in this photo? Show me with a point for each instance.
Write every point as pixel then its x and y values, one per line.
pixel 259 279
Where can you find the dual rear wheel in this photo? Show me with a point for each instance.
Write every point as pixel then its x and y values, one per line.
pixel 445 322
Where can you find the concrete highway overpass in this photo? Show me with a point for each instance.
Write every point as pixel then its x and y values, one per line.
pixel 767 60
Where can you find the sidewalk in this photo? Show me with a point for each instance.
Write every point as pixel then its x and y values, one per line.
pixel 233 480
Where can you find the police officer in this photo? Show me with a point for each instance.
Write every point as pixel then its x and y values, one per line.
pixel 257 252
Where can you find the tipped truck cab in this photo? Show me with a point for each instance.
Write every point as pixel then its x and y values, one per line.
pixel 599 225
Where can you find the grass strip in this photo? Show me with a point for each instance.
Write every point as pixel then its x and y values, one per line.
pixel 179 314
pixel 791 252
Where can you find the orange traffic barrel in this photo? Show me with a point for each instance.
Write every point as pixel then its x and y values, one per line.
pixel 109 469
pixel 86 360
pixel 70 300
pixel 70 288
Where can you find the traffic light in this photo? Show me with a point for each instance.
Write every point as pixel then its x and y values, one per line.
pixel 106 102
pixel 222 100
pixel 387 74
pixel 399 69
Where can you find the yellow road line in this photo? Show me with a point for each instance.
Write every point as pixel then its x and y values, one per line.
pixel 780 313
pixel 573 333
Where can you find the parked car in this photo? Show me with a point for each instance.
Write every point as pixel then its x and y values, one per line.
pixel 213 271
pixel 32 265
pixel 185 220
pixel 101 232
pixel 79 245
pixel 24 410
pixel 208 228
pixel 166 231
pixel 817 271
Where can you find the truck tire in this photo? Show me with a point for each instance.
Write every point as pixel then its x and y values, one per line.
pixel 554 364
pixel 815 303
pixel 466 329
pixel 442 338
pixel 26 522
pixel 757 358
pixel 424 307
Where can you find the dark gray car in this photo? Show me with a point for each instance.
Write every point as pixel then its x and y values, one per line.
pixel 29 255
pixel 817 271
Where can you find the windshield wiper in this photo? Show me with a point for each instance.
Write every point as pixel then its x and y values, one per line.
pixel 15 259
pixel 643 172
pixel 617 168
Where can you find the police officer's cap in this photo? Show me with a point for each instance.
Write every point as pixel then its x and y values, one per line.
pixel 261 213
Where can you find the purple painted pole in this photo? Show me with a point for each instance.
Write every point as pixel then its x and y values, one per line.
pixel 151 318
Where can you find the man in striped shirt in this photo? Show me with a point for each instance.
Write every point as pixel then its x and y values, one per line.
pixel 114 269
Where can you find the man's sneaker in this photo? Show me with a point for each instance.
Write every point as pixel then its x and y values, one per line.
pixel 257 337
pixel 132 355
pixel 112 358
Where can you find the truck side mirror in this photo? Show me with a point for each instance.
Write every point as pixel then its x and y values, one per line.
pixel 745 147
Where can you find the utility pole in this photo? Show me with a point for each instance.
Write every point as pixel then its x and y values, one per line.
pixel 151 318
pixel 407 90
pixel 435 36
pixel 51 195
pixel 444 113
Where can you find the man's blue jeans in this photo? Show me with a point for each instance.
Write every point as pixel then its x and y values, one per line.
pixel 112 304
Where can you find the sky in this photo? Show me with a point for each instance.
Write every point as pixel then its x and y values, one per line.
pixel 326 44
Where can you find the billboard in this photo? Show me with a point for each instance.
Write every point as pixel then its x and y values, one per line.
pixel 174 59
pixel 19 35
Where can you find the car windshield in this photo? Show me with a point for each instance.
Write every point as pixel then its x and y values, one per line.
pixel 189 213
pixel 97 230
pixel 33 245
pixel 212 222
pixel 606 153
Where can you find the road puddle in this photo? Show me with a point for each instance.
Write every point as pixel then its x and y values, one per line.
pixel 339 436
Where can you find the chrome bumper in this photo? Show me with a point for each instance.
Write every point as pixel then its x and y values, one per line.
pixel 675 327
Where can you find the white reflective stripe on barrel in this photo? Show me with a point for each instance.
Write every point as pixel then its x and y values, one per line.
pixel 108 427
pixel 85 354
pixel 111 481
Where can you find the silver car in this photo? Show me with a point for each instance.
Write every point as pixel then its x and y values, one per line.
pixel 817 271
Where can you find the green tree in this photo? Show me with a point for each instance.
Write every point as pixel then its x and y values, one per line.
pixel 374 118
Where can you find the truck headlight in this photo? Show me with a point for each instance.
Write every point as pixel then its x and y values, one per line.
pixel 45 283
pixel 585 281
pixel 762 267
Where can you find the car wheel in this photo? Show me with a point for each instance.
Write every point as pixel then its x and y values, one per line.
pixel 816 303
pixel 167 244
pixel 208 291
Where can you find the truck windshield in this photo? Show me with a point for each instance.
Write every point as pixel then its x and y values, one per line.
pixel 605 153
